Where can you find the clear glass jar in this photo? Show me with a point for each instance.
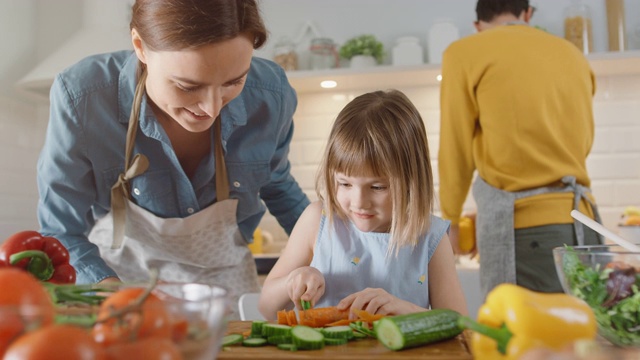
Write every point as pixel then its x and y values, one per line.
pixel 577 26
pixel 323 54
pixel 285 54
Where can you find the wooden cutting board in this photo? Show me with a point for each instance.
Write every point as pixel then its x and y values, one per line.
pixel 368 349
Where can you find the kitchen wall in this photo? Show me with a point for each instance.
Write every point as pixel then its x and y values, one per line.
pixel 31 29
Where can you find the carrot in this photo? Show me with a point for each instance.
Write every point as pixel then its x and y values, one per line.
pixel 319 317
pixel 366 316
pixel 282 317
pixel 291 318
pixel 341 322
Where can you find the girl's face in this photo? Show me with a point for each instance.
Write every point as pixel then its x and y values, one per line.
pixel 366 201
pixel 192 86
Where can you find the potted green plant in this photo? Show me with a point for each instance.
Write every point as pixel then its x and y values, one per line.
pixel 363 50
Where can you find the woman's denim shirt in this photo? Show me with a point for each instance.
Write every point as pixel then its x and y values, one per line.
pixel 84 151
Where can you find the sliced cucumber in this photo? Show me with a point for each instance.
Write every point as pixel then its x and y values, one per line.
pixel 410 330
pixel 288 347
pixel 307 338
pixel 256 327
pixel 232 339
pixel 275 329
pixel 279 339
pixel 254 342
pixel 338 332
pixel 329 341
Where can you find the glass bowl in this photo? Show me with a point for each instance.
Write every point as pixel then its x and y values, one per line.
pixel 203 309
pixel 607 277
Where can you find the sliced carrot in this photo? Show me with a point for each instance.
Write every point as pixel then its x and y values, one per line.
pixel 246 333
pixel 291 318
pixel 366 316
pixel 341 322
pixel 318 317
pixel 282 317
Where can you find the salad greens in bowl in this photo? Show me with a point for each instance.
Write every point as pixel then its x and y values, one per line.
pixel 607 277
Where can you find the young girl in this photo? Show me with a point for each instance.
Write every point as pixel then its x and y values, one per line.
pixel 370 242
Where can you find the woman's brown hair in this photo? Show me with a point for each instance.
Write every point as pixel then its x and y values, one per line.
pixel 382 134
pixel 171 25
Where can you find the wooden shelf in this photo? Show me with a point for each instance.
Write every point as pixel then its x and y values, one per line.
pixel 387 76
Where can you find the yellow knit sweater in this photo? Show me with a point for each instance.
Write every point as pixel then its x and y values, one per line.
pixel 516 105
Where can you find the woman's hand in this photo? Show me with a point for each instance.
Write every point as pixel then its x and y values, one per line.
pixel 305 283
pixel 377 301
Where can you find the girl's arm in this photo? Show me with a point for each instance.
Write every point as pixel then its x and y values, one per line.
pixel 445 290
pixel 291 278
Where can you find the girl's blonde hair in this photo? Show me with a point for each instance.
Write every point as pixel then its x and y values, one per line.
pixel 382 134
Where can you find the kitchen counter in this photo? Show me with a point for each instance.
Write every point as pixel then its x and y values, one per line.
pixel 453 349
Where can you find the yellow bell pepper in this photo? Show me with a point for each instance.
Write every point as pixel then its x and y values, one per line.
pixel 514 319
pixel 466 234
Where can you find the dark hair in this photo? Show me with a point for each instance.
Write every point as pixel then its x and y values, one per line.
pixel 171 25
pixel 486 10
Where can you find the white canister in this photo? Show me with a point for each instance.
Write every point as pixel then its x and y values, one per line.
pixel 407 51
pixel 442 33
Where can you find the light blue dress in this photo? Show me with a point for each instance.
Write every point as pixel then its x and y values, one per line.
pixel 352 260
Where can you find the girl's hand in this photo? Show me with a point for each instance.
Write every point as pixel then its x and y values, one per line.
pixel 377 301
pixel 305 283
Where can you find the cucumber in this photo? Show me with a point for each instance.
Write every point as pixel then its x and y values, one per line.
pixel 338 332
pixel 328 341
pixel 269 329
pixel 232 339
pixel 306 305
pixel 288 347
pixel 307 338
pixel 256 327
pixel 279 339
pixel 411 330
pixel 254 342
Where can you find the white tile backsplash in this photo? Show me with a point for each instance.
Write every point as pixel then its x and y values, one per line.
pixel 614 163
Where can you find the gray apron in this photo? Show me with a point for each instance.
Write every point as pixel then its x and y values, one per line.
pixel 206 247
pixel 495 227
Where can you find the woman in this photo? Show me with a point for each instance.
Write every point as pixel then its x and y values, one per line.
pixel 161 158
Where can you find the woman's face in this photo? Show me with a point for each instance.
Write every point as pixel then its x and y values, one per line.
pixel 192 86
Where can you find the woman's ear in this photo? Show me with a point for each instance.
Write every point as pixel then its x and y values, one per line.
pixel 138 46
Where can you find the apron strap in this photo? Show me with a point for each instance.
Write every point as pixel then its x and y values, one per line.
pixel 132 167
pixel 580 192
pixel 222 180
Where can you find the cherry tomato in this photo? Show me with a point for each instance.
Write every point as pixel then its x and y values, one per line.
pixel 56 342
pixel 151 319
pixel 150 348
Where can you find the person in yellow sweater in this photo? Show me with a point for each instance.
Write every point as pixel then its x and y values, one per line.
pixel 516 105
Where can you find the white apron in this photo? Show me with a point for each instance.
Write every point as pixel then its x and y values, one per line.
pixel 206 247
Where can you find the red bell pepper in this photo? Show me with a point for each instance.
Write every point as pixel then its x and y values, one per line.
pixel 43 256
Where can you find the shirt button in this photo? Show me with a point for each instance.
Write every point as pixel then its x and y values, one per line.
pixel 236 184
pixel 190 210
pixel 136 191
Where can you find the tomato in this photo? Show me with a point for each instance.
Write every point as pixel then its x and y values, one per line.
pixel 56 342
pixel 152 319
pixel 24 305
pixel 11 326
pixel 150 348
